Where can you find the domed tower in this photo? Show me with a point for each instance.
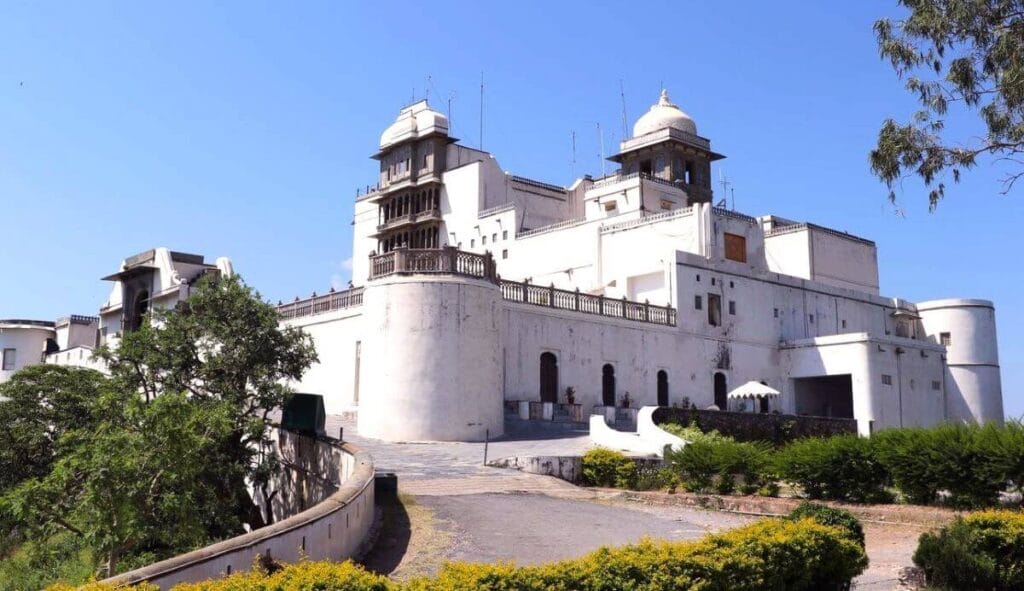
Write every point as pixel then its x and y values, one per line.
pixel 412 160
pixel 967 328
pixel 665 145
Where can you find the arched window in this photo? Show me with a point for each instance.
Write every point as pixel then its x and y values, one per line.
pixel 138 310
pixel 721 391
pixel 548 377
pixel 662 388
pixel 608 385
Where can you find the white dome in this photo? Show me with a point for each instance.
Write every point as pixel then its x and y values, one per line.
pixel 414 121
pixel 662 115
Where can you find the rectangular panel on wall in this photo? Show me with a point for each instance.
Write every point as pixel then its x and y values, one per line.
pixel 735 247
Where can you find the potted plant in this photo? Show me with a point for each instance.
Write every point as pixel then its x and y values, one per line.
pixel 570 395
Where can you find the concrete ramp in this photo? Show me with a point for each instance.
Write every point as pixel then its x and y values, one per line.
pixel 649 438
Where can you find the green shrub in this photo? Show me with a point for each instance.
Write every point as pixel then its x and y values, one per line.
pixel 715 465
pixel 606 467
pixel 844 467
pixel 693 433
pixel 833 516
pixel 967 461
pixel 651 477
pixel 981 551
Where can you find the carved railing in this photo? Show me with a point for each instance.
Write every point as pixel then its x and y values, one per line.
pixel 334 300
pixel 445 260
pixel 561 299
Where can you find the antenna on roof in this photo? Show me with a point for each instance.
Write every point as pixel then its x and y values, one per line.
pixel 451 97
pixel 622 94
pixel 726 184
pixel 572 134
pixel 601 153
pixel 481 109
pixel 426 93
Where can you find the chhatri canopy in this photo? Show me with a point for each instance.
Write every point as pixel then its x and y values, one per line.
pixel 754 390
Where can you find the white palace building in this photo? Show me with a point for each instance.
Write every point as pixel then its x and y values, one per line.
pixel 476 288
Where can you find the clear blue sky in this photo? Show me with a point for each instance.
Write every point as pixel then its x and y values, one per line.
pixel 243 129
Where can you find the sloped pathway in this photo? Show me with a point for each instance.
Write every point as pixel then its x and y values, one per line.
pixel 455 508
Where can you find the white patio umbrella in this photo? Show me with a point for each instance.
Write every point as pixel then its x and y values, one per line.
pixel 754 390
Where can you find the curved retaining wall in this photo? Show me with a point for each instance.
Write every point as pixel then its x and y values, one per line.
pixel 334 527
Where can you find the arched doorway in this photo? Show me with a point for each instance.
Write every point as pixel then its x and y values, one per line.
pixel 548 377
pixel 721 391
pixel 662 388
pixel 139 309
pixel 608 385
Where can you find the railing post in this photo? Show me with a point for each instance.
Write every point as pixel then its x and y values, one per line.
pixel 647 310
pixel 624 300
pixel 400 260
pixel 551 295
pixel 577 304
pixel 526 290
pixel 600 304
pixel 452 259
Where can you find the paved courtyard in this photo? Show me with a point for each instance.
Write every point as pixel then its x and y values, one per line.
pixel 455 508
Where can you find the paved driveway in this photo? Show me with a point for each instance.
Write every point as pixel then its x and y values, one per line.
pixel 455 508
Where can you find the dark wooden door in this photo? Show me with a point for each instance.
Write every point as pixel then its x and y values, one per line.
pixel 662 388
pixel 721 392
pixel 608 385
pixel 548 377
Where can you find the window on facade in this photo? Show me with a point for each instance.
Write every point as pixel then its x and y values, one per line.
pixel 712 281
pixel 946 339
pixel 504 234
pixel 844 323
pixel 735 247
pixel 504 253
pixel 936 385
pixel 494 237
pixel 483 240
pixel 645 167
pixel 698 278
pixel 776 312
pixel 731 285
pixel 732 308
pixel 714 309
pixel 811 318
pixel 472 242
pixel 9 359
pixel 886 379
pixel 697 303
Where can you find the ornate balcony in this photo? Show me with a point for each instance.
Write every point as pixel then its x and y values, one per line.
pixel 408 219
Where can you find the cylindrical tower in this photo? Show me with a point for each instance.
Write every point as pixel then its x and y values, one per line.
pixel 433 360
pixel 967 328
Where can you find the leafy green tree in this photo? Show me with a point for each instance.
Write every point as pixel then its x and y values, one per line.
pixel 44 402
pixel 157 458
pixel 133 482
pixel 221 346
pixel 969 52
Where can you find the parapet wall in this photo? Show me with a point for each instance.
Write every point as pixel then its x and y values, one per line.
pixel 325 502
